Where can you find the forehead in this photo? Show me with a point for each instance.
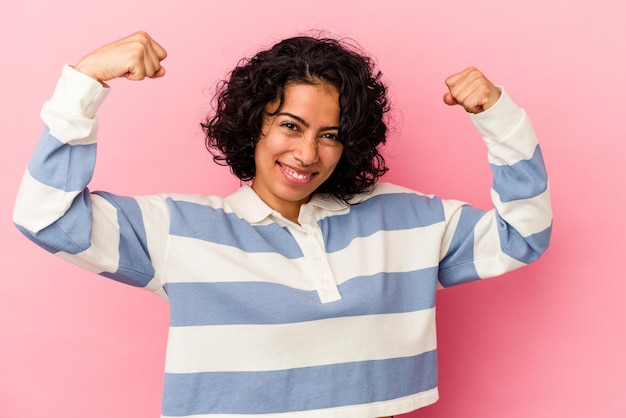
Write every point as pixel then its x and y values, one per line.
pixel 316 100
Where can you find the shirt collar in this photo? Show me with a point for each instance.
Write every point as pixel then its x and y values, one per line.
pixel 248 205
pixel 327 202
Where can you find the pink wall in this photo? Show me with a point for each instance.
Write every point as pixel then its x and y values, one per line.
pixel 545 341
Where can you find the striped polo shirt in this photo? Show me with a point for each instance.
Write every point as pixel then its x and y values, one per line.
pixel 333 316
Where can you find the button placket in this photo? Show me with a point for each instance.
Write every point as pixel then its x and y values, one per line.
pixel 311 242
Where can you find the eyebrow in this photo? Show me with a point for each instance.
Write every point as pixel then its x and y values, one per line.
pixel 305 123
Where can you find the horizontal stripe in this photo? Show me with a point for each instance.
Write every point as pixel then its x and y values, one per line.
pixel 522 180
pixel 269 303
pixel 215 225
pixel 191 260
pixel 367 410
pixel 302 344
pixel 387 212
pixel 396 251
pixel 50 163
pixel 273 391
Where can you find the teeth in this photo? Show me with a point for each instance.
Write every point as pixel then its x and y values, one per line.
pixel 295 174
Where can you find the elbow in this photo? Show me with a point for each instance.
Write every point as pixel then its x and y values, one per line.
pixel 540 242
pixel 33 237
pixel 55 238
pixel 526 248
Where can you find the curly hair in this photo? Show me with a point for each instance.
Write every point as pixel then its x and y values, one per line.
pixel 240 105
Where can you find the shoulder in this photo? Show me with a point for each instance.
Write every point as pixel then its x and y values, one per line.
pixel 388 191
pixel 395 200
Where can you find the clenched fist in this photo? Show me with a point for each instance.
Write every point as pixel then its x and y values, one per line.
pixel 134 57
pixel 471 89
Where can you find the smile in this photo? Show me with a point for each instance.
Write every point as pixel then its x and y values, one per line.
pixel 298 176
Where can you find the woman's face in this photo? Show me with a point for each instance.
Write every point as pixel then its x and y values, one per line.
pixel 298 148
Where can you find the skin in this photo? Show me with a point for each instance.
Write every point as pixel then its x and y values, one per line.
pixel 298 150
pixel 299 147
pixel 134 57
pixel 471 90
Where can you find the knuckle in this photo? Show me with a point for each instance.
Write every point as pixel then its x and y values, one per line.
pixel 141 34
pixel 139 40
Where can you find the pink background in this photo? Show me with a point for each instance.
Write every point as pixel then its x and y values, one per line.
pixel 546 341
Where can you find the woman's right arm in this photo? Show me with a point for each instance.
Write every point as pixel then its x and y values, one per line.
pixel 99 231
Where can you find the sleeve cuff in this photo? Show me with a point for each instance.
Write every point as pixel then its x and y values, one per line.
pixel 78 94
pixel 70 112
pixel 497 122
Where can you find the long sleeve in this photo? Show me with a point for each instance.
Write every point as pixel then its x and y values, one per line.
pixel 517 230
pixel 54 208
pixel 279 310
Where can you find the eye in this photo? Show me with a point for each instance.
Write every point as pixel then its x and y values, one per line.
pixel 289 125
pixel 329 139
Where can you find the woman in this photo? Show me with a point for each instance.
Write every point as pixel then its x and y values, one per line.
pixel 310 291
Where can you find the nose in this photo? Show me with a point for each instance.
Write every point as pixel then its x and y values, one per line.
pixel 305 150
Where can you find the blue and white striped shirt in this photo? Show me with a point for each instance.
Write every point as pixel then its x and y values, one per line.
pixel 331 317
